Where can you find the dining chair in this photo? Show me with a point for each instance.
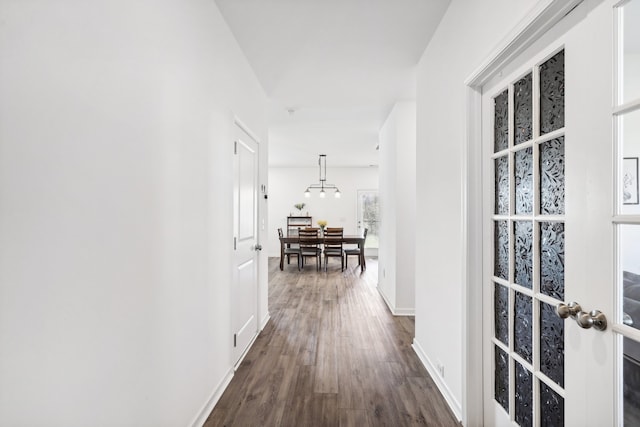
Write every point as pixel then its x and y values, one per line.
pixel 359 251
pixel 310 246
pixel 289 250
pixel 333 246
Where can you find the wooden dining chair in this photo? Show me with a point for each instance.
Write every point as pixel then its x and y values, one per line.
pixel 333 246
pixel 355 251
pixel 310 246
pixel 289 251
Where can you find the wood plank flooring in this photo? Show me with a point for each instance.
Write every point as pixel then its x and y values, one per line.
pixel 331 355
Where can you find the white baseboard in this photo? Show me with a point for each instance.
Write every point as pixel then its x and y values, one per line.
pixel 404 312
pixel 386 300
pixel 442 386
pixel 396 311
pixel 264 322
pixel 211 403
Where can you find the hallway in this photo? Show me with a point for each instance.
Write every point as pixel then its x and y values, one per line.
pixel 332 354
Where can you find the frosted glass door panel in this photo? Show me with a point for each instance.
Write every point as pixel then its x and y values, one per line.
pixel 528 246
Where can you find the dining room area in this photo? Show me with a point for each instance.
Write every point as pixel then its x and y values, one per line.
pixel 347 177
pixel 320 243
pixel 289 211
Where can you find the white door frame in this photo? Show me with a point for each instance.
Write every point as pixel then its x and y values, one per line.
pixel 539 20
pixel 373 252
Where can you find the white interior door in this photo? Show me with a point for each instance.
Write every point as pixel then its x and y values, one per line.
pixel 549 239
pixel 245 277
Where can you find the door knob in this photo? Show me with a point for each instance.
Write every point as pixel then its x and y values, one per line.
pixel 258 247
pixel 568 310
pixel 594 319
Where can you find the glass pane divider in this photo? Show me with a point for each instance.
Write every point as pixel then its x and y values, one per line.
pixel 549 136
pixel 618 151
pixel 549 218
pixel 536 404
pixel 500 281
pixel 627 107
pixel 536 182
pixel 499 154
pixel 521 217
pixel 523 145
pixel 511 364
pixel 626 331
pixel 535 103
pixel 515 356
pixel 546 299
pixel 523 290
pixel 535 335
pixel 626 219
pixel 511 109
pixel 500 344
pixel 550 383
pixel 618 276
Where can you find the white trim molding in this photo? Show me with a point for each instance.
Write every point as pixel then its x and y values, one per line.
pixel 264 322
pixel 448 395
pixel 544 16
pixel 204 413
pixel 394 310
pixel 404 312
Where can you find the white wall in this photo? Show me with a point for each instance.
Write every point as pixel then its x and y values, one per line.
pixel 115 209
pixel 467 34
pixel 286 188
pixel 396 261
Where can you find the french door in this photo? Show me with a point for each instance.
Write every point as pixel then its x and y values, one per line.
pixel 550 353
pixel 626 118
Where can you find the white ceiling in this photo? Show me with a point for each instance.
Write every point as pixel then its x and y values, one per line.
pixel 332 70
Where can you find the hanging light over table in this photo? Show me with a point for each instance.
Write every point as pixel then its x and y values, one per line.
pixel 322 185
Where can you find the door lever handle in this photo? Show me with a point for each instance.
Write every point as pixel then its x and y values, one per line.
pixel 258 247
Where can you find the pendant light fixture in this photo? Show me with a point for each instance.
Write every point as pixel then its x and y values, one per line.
pixel 322 185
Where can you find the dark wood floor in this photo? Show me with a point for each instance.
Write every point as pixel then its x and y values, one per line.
pixel 331 355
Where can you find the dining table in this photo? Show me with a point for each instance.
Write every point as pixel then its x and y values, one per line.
pixel 346 239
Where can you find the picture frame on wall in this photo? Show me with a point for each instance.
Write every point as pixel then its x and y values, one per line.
pixel 630 194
